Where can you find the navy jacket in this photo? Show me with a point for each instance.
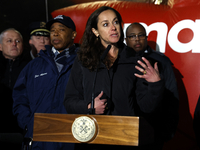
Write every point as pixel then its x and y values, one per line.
pixel 40 88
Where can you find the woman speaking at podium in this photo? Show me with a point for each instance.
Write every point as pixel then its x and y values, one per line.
pixel 107 78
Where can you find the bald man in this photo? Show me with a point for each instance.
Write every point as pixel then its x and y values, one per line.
pixel 164 120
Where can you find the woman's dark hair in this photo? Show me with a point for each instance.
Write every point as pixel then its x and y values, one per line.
pixel 91 47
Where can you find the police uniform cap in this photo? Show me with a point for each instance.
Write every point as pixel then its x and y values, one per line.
pixel 38 29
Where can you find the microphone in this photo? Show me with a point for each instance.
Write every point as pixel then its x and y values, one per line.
pixel 103 56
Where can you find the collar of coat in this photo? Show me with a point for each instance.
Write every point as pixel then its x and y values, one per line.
pixel 49 52
pixel 126 55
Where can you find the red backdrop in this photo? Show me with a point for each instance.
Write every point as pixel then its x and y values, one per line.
pixel 173 30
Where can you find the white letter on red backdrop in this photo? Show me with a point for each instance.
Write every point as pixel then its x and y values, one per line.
pixel 180 47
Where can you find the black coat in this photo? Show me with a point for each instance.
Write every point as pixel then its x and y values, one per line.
pixel 165 119
pixel 9 71
pixel 196 122
pixel 123 90
pixel 127 95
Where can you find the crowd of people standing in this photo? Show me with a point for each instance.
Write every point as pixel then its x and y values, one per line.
pixel 56 76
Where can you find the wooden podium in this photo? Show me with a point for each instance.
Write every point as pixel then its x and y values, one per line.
pixel 111 130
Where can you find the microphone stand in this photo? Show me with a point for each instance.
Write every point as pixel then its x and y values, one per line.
pixel 91 110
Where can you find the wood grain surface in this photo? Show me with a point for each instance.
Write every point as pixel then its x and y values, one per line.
pixel 112 130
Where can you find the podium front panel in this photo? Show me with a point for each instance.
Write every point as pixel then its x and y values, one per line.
pixel 112 130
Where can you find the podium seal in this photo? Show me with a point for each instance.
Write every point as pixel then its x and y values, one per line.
pixel 84 129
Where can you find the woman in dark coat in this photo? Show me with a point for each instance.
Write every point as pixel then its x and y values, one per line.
pixel 115 82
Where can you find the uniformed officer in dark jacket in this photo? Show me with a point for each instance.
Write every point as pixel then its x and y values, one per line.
pixel 165 119
pixel 39 37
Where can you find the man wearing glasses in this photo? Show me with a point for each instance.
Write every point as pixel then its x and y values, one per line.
pixel 164 121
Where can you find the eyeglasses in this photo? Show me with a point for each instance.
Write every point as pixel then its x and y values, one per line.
pixel 140 36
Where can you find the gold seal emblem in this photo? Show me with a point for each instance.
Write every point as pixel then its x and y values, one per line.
pixel 84 129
